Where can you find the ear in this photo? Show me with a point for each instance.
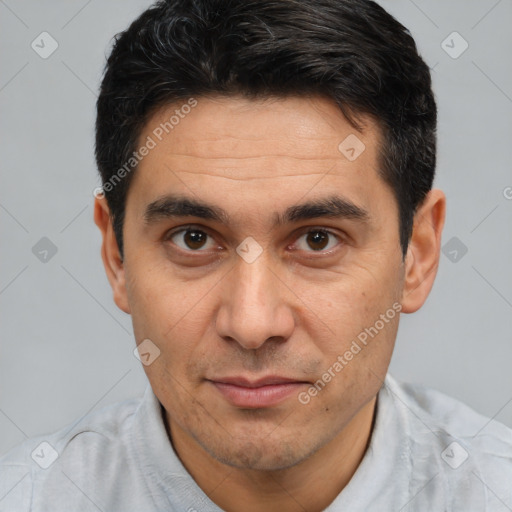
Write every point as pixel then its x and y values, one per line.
pixel 110 254
pixel 422 259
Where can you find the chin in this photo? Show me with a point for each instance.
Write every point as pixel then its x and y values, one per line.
pixel 261 455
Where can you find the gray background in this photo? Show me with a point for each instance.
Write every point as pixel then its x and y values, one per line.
pixel 66 349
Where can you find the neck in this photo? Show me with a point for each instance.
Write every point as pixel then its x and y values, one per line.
pixel 310 485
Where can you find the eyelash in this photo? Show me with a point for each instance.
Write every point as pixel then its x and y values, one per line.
pixel 185 229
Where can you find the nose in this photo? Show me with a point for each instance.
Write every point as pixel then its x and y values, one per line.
pixel 255 306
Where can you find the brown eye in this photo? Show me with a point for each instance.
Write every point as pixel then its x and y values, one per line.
pixel 194 239
pixel 317 240
pixel 191 239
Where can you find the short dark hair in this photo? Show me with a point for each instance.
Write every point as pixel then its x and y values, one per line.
pixel 351 51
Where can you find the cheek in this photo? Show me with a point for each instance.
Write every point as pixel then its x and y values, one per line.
pixel 164 306
pixel 348 304
pixel 360 309
pixel 176 316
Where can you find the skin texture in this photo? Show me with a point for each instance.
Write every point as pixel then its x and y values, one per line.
pixel 291 312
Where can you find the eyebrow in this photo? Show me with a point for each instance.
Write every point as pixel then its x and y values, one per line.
pixel 335 207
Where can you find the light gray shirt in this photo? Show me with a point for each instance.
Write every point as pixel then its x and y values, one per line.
pixel 427 453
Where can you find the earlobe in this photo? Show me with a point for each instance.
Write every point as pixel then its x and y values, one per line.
pixel 423 253
pixel 111 254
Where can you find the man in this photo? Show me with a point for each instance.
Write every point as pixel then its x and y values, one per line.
pixel 267 213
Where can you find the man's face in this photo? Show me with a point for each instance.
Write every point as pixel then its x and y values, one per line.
pixel 297 293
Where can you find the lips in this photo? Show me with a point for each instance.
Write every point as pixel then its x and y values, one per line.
pixel 253 394
pixel 246 383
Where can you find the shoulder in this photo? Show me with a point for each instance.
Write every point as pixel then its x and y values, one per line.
pixel 447 411
pixel 452 415
pixel 94 441
pixel 470 453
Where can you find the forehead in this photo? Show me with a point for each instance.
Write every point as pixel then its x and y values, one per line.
pixel 259 151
